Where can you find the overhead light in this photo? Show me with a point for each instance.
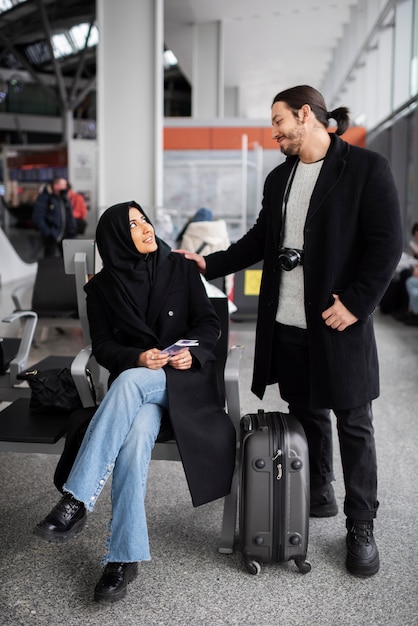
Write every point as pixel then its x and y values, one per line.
pixel 61 46
pixel 79 33
pixel 73 40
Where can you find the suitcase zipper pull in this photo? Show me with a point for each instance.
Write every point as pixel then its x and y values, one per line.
pixel 279 465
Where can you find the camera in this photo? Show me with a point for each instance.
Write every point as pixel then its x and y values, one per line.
pixel 289 258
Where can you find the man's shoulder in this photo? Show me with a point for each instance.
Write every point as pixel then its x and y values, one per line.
pixel 357 153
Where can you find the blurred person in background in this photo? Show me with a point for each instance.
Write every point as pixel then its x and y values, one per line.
pixel 53 216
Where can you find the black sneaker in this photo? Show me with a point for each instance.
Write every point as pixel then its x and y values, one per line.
pixel 323 503
pixel 362 552
pixel 113 584
pixel 64 522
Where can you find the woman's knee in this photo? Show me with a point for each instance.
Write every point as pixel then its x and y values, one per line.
pixel 145 427
pixel 126 377
pixel 138 380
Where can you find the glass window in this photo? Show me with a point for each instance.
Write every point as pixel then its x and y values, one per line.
pixel 402 53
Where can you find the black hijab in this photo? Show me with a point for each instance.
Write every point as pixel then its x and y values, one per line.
pixel 130 273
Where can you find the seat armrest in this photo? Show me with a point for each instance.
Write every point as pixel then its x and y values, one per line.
pixel 22 297
pixel 19 363
pixel 80 377
pixel 231 377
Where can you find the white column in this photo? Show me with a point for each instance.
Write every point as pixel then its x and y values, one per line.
pixel 130 102
pixel 231 106
pixel 208 70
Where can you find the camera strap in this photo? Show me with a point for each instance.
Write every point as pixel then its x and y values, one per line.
pixel 285 201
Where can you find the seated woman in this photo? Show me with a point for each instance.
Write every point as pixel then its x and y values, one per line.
pixel 144 299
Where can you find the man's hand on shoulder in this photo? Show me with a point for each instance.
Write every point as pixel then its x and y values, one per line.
pixel 193 256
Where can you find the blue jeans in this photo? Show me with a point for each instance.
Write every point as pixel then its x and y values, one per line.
pixel 120 439
pixel 411 285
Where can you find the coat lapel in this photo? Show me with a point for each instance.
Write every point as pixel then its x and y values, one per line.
pixel 331 172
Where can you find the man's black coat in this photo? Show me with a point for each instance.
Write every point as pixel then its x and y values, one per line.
pixel 352 243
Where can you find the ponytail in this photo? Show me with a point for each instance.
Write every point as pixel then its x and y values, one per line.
pixel 341 116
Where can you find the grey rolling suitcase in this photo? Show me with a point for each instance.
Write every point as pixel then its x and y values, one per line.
pixel 274 491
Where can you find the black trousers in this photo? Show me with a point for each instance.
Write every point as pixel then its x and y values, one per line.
pixel 354 426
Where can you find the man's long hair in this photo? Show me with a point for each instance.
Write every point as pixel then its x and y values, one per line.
pixel 296 97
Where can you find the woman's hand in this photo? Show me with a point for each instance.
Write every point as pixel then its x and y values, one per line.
pixel 197 258
pixel 154 359
pixel 182 360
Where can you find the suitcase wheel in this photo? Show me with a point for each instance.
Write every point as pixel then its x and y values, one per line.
pixel 253 567
pixel 303 566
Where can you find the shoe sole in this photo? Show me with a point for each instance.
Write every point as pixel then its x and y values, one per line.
pixel 362 571
pixel 50 536
pixel 115 597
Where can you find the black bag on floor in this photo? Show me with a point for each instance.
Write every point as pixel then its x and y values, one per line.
pixel 274 491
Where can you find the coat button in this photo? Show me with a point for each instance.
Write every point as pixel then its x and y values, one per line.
pixel 170 313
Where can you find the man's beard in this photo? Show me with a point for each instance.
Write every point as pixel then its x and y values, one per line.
pixel 294 140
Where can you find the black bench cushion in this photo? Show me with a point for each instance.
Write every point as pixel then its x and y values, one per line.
pixel 17 423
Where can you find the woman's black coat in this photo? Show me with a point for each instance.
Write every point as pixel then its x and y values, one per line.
pixel 178 308
pixel 352 243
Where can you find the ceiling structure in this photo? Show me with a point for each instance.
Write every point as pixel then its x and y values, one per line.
pixel 268 44
pixel 26 31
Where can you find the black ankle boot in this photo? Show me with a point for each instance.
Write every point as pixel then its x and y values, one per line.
pixel 362 552
pixel 113 584
pixel 64 522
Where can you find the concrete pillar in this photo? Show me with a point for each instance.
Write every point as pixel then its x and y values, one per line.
pixel 68 125
pixel 231 107
pixel 130 102
pixel 208 70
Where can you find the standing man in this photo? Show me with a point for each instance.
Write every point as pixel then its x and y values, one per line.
pixel 330 235
pixel 53 216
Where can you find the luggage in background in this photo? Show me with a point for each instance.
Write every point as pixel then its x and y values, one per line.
pixel 274 491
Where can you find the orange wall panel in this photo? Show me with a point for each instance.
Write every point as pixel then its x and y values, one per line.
pixel 195 138
pixel 268 143
pixel 230 138
pixel 356 135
